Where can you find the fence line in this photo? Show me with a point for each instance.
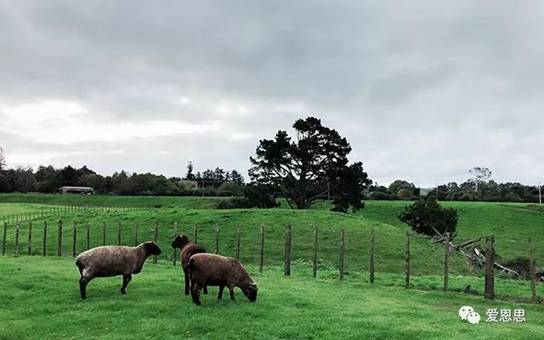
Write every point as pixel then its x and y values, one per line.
pixel 259 245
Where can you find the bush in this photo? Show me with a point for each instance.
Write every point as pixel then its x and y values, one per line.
pixel 426 214
pixel 229 188
pixel 381 196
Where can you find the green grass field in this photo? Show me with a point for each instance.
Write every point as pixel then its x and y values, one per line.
pixel 321 304
pixel 115 201
pixel 40 300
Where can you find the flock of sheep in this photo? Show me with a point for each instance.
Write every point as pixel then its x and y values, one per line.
pixel 201 269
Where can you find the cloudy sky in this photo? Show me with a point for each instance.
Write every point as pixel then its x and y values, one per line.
pixel 423 90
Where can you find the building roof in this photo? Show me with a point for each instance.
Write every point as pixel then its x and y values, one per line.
pixel 75 188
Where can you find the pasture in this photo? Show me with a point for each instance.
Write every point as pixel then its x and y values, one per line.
pixel 299 306
pixel 40 300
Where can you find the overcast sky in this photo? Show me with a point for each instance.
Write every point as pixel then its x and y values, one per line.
pixel 423 90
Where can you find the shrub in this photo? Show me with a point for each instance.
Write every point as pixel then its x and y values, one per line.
pixel 229 188
pixel 425 215
pixel 382 196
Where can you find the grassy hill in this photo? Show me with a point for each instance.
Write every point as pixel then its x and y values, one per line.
pixel 115 201
pixel 512 224
pixel 34 290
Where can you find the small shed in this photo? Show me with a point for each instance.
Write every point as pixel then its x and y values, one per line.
pixel 76 190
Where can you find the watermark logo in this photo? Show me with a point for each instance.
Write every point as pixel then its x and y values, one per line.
pixel 494 315
pixel 468 313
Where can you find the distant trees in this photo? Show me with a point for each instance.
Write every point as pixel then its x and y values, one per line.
pixel 47 179
pixel 426 216
pixel 313 166
pixel 190 176
pixel 490 191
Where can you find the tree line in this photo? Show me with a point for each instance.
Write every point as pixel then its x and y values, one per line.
pixel 47 179
pixel 310 165
pixel 474 189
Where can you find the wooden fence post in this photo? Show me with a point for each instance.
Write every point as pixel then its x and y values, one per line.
pixel 217 240
pixel 287 253
pixel 532 271
pixel 155 238
pixel 446 260
pixel 342 251
pixel 175 253
pixel 196 233
pixel 4 236
pixel 74 244
pixel 314 264
pixel 88 236
pixel 44 238
pixel 30 237
pixel 17 239
pixel 371 257
pixel 489 290
pixel 136 227
pixel 104 233
pixel 59 239
pixel 261 254
pixel 119 226
pixel 407 260
pixel 238 243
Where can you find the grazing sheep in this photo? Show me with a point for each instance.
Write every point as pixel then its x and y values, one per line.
pixel 215 270
pixel 188 249
pixel 112 261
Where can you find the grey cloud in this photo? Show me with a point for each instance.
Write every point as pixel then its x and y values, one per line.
pixel 422 89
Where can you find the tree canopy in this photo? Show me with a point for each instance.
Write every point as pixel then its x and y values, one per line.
pixel 312 166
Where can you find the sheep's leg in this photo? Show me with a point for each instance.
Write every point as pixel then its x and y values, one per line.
pixel 220 295
pixel 187 281
pixel 195 293
pixel 205 289
pixel 126 280
pixel 231 291
pixel 83 281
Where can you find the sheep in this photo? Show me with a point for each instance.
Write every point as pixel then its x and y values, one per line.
pixel 188 249
pixel 109 261
pixel 215 270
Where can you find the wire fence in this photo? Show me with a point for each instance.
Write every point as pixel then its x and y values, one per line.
pixel 26 235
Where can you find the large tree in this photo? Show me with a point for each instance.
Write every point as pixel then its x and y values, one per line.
pixel 479 175
pixel 312 166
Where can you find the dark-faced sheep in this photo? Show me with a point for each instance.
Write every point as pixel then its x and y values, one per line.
pixel 188 249
pixel 216 270
pixel 109 261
